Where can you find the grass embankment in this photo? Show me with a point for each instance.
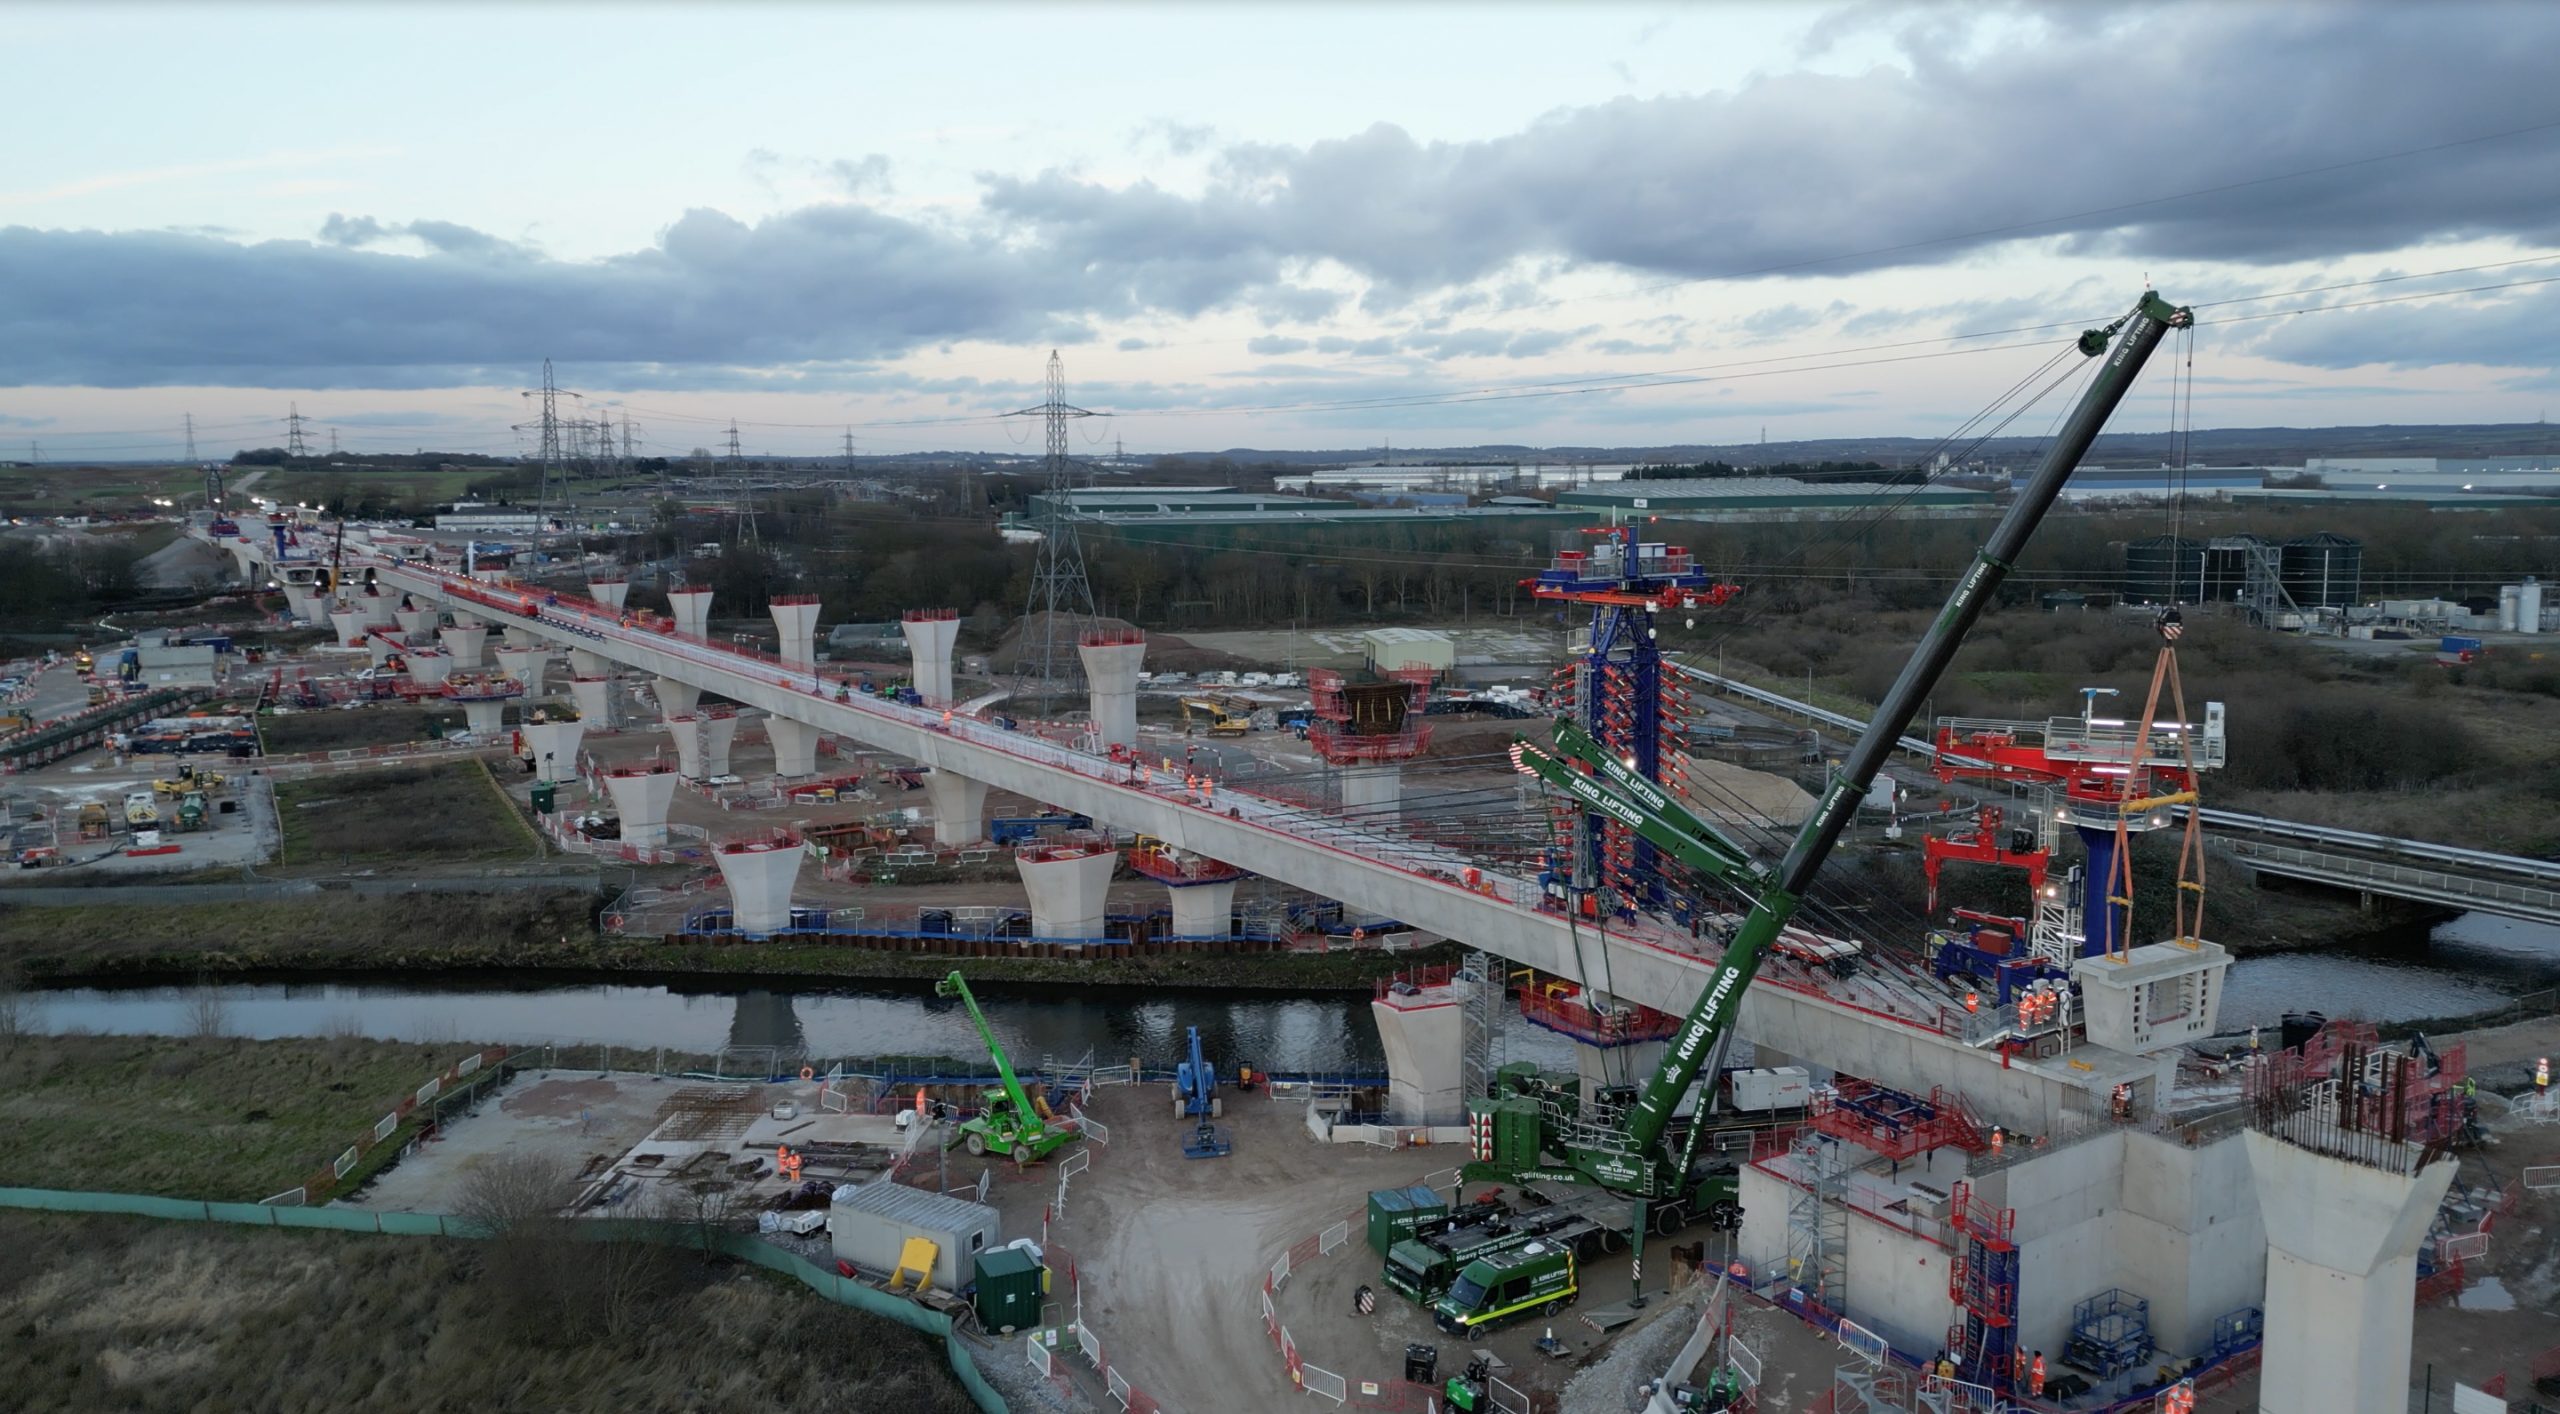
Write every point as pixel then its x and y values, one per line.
pixel 124 1313
pixel 449 813
pixel 196 1117
pixel 338 729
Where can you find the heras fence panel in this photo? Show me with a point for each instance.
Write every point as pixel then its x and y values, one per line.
pixel 1118 1385
pixel 1864 1343
pixel 1090 1342
pixel 1506 1398
pixel 1323 1382
pixel 1333 1237
pixel 1038 1354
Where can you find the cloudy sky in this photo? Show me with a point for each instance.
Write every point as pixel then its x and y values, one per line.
pixel 1306 225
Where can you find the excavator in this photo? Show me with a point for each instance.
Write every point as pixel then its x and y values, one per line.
pixel 1225 716
pixel 1623 1148
pixel 1010 1122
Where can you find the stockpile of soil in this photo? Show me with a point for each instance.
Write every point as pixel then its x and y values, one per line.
pixel 1165 653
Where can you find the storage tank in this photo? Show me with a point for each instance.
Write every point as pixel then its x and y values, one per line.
pixel 2163 569
pixel 2510 599
pixel 2322 571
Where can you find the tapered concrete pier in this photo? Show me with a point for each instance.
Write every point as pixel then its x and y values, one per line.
pixel 691 606
pixel 641 795
pixel 609 590
pixel 930 634
pixel 795 621
pixel 795 747
pixel 959 807
pixel 760 873
pixel 1070 887
pixel 1111 660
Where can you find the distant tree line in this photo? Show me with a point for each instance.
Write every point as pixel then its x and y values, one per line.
pixel 1792 471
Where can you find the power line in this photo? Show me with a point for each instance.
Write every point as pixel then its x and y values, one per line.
pixel 1061 596
pixel 295 449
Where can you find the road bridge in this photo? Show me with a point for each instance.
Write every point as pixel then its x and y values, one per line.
pixel 2511 886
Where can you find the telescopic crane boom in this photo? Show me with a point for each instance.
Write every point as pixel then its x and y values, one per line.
pixel 1634 1162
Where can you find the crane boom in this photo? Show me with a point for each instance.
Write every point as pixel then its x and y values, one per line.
pixel 956 985
pixel 1713 1014
pixel 1581 745
pixel 1655 824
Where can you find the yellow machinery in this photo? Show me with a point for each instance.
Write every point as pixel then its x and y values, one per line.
pixel 190 779
pixel 93 820
pixel 1221 714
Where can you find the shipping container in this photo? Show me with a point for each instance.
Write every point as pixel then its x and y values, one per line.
pixel 872 1221
pixel 1394 1212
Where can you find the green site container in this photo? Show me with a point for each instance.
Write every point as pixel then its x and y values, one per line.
pixel 545 795
pixel 1394 1212
pixel 1010 1284
pixel 1515 1134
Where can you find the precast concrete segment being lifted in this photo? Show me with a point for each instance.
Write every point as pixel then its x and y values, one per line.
pixel 609 592
pixel 1070 890
pixel 691 606
pixel 959 807
pixel 1111 661
pixel 595 701
pixel 465 644
pixel 930 635
pixel 554 748
pixel 760 874
pixel 2342 1273
pixel 427 667
pixel 526 665
pixel 795 621
pixel 677 699
pixel 795 747
pixel 641 798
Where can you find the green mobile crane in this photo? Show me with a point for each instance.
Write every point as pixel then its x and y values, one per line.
pixel 1010 1123
pixel 1621 1148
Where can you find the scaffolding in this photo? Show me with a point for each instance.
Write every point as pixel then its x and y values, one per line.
pixel 1818 1221
pixel 1982 1281
pixel 1481 1043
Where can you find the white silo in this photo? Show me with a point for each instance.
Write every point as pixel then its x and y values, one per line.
pixel 2529 606
pixel 2508 595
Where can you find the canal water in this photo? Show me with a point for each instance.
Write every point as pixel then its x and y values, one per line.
pixel 2469 966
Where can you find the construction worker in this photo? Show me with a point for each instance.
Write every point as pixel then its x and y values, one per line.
pixel 1973 1001
pixel 2017 1369
pixel 2035 1377
pixel 2541 1075
pixel 2120 1102
pixel 1999 1140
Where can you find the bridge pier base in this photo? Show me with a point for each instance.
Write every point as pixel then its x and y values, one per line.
pixel 760 874
pixel 485 719
pixel 526 665
pixel 1204 910
pixel 378 611
pixel 2342 1271
pixel 595 701
pixel 959 807
pixel 1069 894
pixel 795 747
pixel 1373 793
pixel 305 605
pixel 554 748
pixel 640 796
pixel 428 666
pixel 1424 1036
pixel 465 644
pixel 349 624
pixel 379 649
pixel 677 699
pixel 702 744
pixel 930 633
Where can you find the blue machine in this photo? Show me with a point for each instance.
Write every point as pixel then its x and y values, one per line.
pixel 1990 953
pixel 1195 1096
pixel 1022 829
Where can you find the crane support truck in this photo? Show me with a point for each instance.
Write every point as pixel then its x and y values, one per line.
pixel 1008 1122
pixel 1622 1147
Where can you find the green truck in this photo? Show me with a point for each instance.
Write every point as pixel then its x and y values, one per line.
pixel 1500 1287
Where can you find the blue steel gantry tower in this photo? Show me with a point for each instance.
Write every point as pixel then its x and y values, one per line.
pixel 1616 690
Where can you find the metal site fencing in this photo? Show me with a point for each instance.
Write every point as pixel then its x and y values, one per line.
pixel 745 1247
pixel 1391 1392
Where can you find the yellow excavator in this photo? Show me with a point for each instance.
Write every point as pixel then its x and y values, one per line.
pixel 1222 714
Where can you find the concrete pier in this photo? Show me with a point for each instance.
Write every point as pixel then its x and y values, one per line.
pixel 517 637
pixel 677 699
pixel 1069 888
pixel 427 667
pixel 1373 792
pixel 691 606
pixel 378 649
pixel 609 590
pixel 795 747
pixel 687 732
pixel 719 735
pixel 554 747
pixel 349 623
pixel 1111 660
pixel 595 701
pixel 306 605
pixel 959 807
pixel 526 665
pixel 464 618
pixel 485 718
pixel 1204 910
pixel 379 611
pixel 416 625
pixel 2342 1272
pixel 795 620
pixel 640 796
pixel 587 663
pixel 465 645
pixel 760 873
pixel 930 634
pixel 1424 1034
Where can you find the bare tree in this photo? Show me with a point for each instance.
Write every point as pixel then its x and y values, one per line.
pixel 208 1014
pixel 560 1278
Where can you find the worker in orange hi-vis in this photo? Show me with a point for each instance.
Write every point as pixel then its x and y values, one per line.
pixel 2035 1377
pixel 2017 1369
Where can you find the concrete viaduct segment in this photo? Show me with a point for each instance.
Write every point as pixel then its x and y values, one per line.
pixel 1371 871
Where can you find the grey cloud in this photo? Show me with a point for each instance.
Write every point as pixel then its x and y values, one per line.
pixel 1132 345
pixel 1270 345
pixel 11 420
pixel 1363 348
pixel 868 173
pixel 1630 346
pixel 1180 139
pixel 2510 331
